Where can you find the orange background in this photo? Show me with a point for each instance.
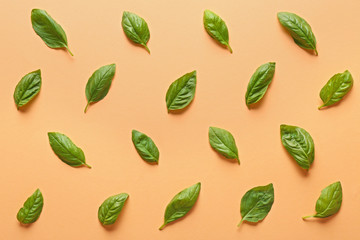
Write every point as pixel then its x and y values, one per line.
pixel 136 100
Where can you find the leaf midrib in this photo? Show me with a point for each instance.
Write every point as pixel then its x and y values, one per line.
pixel 63 146
pixel 177 94
pixel 96 87
pixel 225 144
pixel 332 200
pixel 307 38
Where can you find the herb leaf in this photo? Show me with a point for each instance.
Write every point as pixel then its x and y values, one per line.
pixel 99 84
pixel 136 29
pixel 223 142
pixel 49 30
pixel 110 209
pixel 256 203
pixel 27 88
pixel 32 208
pixel 299 144
pixel 216 28
pixel 336 88
pixel 145 146
pixel 181 204
pixel 66 150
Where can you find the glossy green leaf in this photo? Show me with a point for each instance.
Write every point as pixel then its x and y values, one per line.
pixel 32 208
pixel 329 201
pixel 145 146
pixel 299 30
pixel 223 142
pixel 49 30
pixel 256 203
pixel 28 87
pixel 99 84
pixel 136 29
pixel 110 209
pixel 336 88
pixel 66 150
pixel 299 144
pixel 181 204
pixel 181 92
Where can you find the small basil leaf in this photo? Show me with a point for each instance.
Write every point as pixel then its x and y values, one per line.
pixel 223 142
pixel 336 88
pixel 99 84
pixel 256 203
pixel 49 30
pixel 259 83
pixel 181 204
pixel 136 29
pixel 181 92
pixel 299 144
pixel 32 208
pixel 66 150
pixel 216 28
pixel 299 30
pixel 110 209
pixel 329 201
pixel 28 87
pixel 145 147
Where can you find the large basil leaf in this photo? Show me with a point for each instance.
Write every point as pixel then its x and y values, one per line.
pixel 66 150
pixel 49 30
pixel 145 147
pixel 136 29
pixel 256 203
pixel 216 28
pixel 181 92
pixel 299 144
pixel 111 208
pixel 32 208
pixel 223 142
pixel 336 88
pixel 181 204
pixel 299 30
pixel 28 87
pixel 259 83
pixel 329 201
pixel 99 84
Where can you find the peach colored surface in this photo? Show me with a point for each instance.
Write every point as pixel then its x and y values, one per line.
pixel 136 100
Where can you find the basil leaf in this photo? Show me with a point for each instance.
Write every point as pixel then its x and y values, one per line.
pixel 136 29
pixel 181 204
pixel 28 87
pixel 181 92
pixel 111 208
pixel 223 142
pixel 216 28
pixel 32 208
pixel 299 30
pixel 329 201
pixel 256 203
pixel 99 84
pixel 66 150
pixel 145 147
pixel 259 83
pixel 336 88
pixel 49 30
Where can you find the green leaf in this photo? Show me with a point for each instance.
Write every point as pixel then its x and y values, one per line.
pixel 66 150
pixel 181 204
pixel 145 147
pixel 259 83
pixel 299 30
pixel 256 203
pixel 299 144
pixel 99 84
pixel 49 30
pixel 216 28
pixel 181 92
pixel 329 201
pixel 32 208
pixel 111 208
pixel 336 88
pixel 223 142
pixel 28 87
pixel 136 29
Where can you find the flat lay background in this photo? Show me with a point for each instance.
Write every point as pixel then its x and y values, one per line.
pixel 136 100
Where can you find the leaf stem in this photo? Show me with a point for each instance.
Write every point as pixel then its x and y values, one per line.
pixel 307 216
pixel 228 46
pixel 146 47
pixel 238 160
pixel 87 165
pixel 316 52
pixel 87 105
pixel 240 222
pixel 321 106
pixel 162 226
pixel 69 51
